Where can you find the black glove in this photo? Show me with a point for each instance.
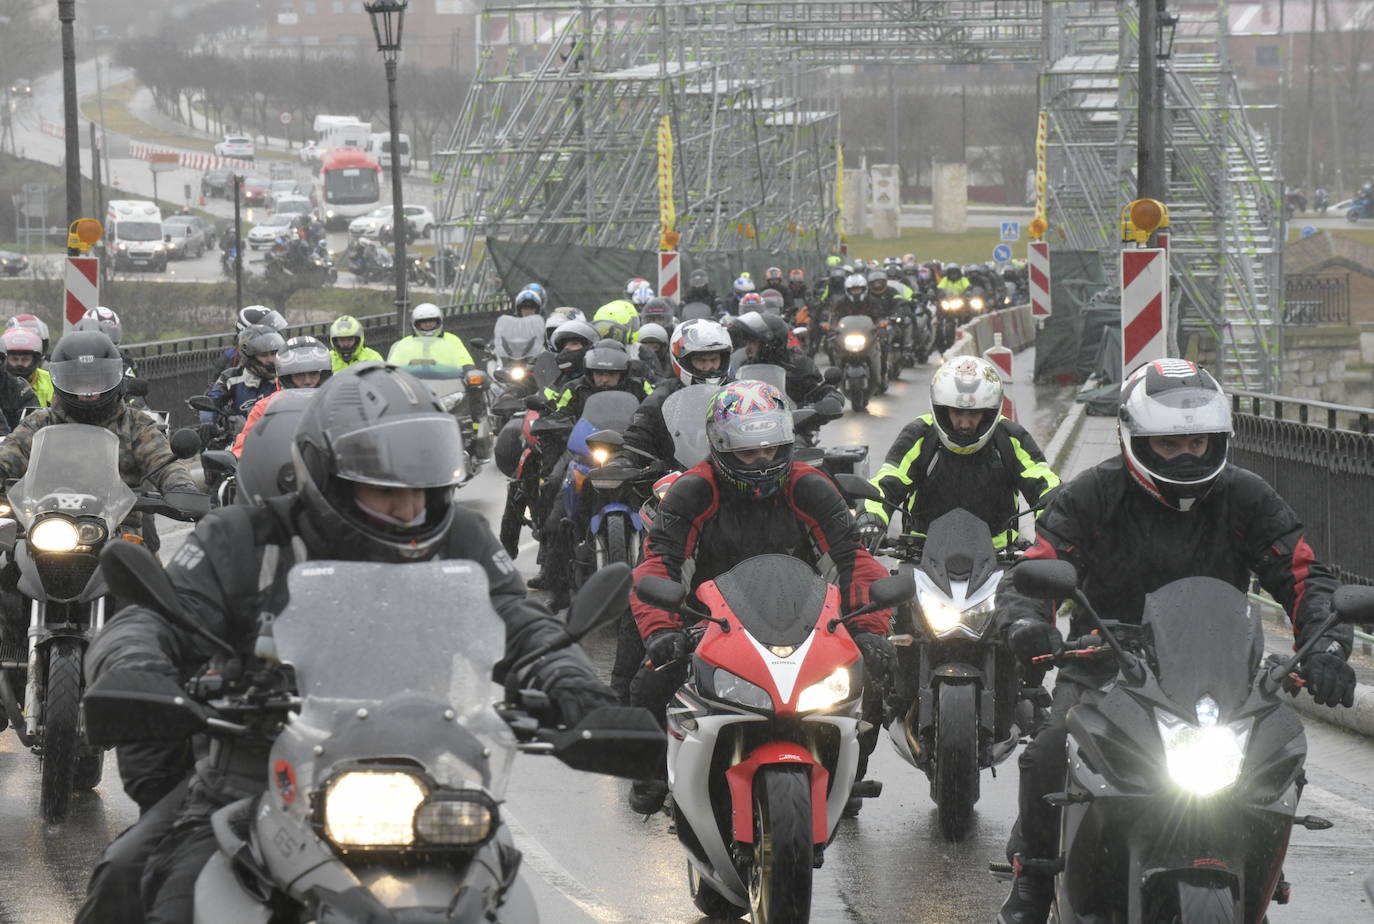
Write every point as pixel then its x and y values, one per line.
pixel 208 431
pixel 872 530
pixel 1031 638
pixel 1330 678
pixel 664 647
pixel 880 656
pixel 572 686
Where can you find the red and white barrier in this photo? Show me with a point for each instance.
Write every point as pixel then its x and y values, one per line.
pixel 1001 357
pixel 56 129
pixel 669 274
pixel 1038 271
pixel 1144 306
pixel 187 159
pixel 83 289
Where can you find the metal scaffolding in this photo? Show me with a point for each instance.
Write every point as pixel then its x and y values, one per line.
pixel 558 140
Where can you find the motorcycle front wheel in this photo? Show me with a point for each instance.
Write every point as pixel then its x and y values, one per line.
pixel 61 738
pixel 780 874
pixel 708 901
pixel 954 784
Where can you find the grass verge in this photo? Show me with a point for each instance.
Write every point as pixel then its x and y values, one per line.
pixel 119 120
pixel 972 246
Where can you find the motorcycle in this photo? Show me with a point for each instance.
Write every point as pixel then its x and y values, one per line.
pixel 857 339
pixel 464 395
pixel 763 737
pixel 68 506
pixel 922 331
pixel 418 273
pixel 227 258
pixel 444 267
pixel 519 453
pixel 1185 775
pixel 371 262
pixel 954 310
pixel 517 343
pixel 383 801
pixel 310 266
pixel 1362 207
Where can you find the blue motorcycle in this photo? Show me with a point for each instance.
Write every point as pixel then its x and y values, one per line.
pixel 1363 207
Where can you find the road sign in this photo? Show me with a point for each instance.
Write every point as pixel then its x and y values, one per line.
pixel 1038 276
pixel 1308 230
pixel 1144 306
pixel 1011 230
pixel 83 288
pixel 1001 253
pixel 669 274
pixel 1000 357
pixel 284 117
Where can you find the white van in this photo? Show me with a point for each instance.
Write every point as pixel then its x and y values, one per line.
pixel 379 146
pixel 133 236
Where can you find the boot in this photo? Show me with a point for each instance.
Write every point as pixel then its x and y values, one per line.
pixel 1029 901
pixel 647 796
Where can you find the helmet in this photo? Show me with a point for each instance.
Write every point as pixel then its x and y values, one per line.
pixel 965 383
pixel 302 354
pixel 1173 397
pixel 642 296
pixel 742 285
pixel 908 259
pixel 618 320
pixel 260 340
pixel 661 310
pixel 374 424
pixel 265 467
pixel 21 341
pixel 634 284
pixel 878 277
pixel 573 330
pixel 424 313
pixel 260 314
pixel 834 260
pixel 796 275
pixel 700 336
pixel 106 321
pixel 529 295
pixel 953 272
pixel 773 275
pixel 345 327
pixel 751 301
pixel 750 415
pixel 698 279
pixel 837 276
pixel 653 333
pixel 769 331
pixel 538 290
pixel 772 300
pixel 894 271
pixel 87 376
pixel 556 317
pixel 33 323
pixel 607 357
pixel 856 286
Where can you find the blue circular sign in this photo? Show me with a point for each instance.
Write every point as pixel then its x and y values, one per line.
pixel 1001 253
pixel 1308 230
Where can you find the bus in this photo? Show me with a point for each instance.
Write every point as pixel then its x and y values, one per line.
pixel 348 185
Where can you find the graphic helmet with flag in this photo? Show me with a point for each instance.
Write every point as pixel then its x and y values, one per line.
pixel 746 415
pixel 1173 397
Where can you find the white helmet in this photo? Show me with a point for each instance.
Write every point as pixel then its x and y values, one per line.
pixel 700 335
pixel 426 311
pixel 965 383
pixel 854 282
pixel 1173 397
pixel 653 333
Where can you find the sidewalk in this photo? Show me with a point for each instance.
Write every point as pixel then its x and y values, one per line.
pixel 1082 441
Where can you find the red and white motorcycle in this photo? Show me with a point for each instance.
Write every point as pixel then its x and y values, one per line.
pixel 763 735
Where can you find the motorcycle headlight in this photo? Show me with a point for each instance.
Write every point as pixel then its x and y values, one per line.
pixel 1205 757
pixel 944 619
pixel 855 342
pixel 601 455
pixel 371 808
pixel 516 373
pixel 55 534
pixel 464 818
pixel 976 303
pixel 736 689
pixel 825 693
pixel 5 509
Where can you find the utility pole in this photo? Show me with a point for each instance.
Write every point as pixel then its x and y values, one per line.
pixel 66 14
pixel 1311 94
pixel 1150 177
pixel 238 246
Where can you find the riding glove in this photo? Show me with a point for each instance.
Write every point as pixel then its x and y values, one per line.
pixel 1331 679
pixel 1031 638
pixel 872 531
pixel 880 656
pixel 664 647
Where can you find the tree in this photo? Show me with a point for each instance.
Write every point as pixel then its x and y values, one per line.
pixel 28 38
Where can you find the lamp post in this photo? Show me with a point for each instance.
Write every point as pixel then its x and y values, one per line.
pixel 388 18
pixel 66 14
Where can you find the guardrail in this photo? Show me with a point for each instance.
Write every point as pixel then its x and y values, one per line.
pixel 177 369
pixel 1016 326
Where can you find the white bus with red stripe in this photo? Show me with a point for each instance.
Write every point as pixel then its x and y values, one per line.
pixel 349 184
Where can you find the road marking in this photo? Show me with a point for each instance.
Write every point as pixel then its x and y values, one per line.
pixel 555 873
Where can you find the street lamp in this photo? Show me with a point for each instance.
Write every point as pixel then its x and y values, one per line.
pixel 388 18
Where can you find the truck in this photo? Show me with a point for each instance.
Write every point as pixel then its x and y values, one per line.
pixel 340 131
pixel 134 236
pixel 379 146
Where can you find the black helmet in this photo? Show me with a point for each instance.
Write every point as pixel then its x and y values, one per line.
pixel 374 424
pixel 302 354
pixel 87 376
pixel 510 445
pixel 259 340
pixel 659 310
pixel 265 467
pixel 607 356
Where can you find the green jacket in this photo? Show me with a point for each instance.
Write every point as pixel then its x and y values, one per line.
pixel 360 355
pixel 41 382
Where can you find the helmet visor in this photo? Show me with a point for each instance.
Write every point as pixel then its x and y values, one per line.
pixel 1179 411
pixel 758 430
pixel 413 452
pixel 86 376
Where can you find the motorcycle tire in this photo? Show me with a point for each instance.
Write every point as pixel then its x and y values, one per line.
pixel 1192 899
pixel 954 783
pixel 1352 216
pixel 61 730
pixel 780 869
pixel 708 901
pixel 857 395
pixel 90 767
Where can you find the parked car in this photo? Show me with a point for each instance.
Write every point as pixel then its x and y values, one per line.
pixel 377 223
pixel 420 218
pixel 370 225
pixel 255 190
pixel 239 146
pixel 187 236
pixel 217 181
pixel 287 203
pixel 281 185
pixel 265 232
pixel 12 264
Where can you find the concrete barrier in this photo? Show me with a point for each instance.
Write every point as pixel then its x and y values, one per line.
pixel 1016 326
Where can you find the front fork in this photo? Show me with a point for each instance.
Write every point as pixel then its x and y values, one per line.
pixel 38 637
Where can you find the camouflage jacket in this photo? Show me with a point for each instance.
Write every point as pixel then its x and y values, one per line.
pixel 143 451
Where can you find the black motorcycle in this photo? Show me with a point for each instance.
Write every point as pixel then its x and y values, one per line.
pixel 856 338
pixel 1184 776
pixel 370 262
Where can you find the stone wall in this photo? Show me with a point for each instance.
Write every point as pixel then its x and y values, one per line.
pixel 1329 363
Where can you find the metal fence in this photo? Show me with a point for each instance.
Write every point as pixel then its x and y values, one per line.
pixel 1320 458
pixel 1310 300
pixel 177 369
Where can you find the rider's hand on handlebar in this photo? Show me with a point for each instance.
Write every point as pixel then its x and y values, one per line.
pixel 664 647
pixel 1330 678
pixel 872 530
pixel 1031 638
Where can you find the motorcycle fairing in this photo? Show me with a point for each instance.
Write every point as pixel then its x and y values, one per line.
pixel 740 779
pixel 959 548
pixel 600 515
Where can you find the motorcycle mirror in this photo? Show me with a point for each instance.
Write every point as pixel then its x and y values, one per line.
pixel 854 488
pixel 1354 604
pixel 536 402
pixel 603 597
pixel 135 576
pixel 477 343
pixel 185 443
pixel 220 460
pixel 623 741
pixel 136 388
pixel 608 437
pixel 892 590
pixel 201 403
pixel 124 706
pixel 829 407
pixel 832 375
pixel 804 416
pixel 661 592
pixel 1046 580
pixel 191 505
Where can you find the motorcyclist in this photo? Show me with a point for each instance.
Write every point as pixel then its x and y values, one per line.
pixel 1168 507
pixel 653 353
pixel 569 344
pixel 605 367
pixel 363 494
pixel 661 311
pixel 859 300
pixel 699 351
pixel 427 321
pixel 555 319
pixel 529 301
pixel 964 454
pixel 348 344
pixel 798 296
pixel 953 280
pixel 303 362
pixel 698 288
pixel 24 361
pixel 764 340
pixel 248 316
pixel 236 390
pixel 16 395
pixel 750 498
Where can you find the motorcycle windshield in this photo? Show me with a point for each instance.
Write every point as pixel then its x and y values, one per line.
pixel 518 338
pixel 1205 641
pixel 73 470
pixel 959 548
pixel 436 360
pixel 777 598
pixel 424 644
pixel 766 372
pixel 856 324
pixel 684 414
pixel 608 410
pixel 546 370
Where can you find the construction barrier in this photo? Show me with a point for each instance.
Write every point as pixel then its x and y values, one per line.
pixel 1144 306
pixel 189 159
pixel 1038 273
pixel 83 289
pixel 1001 357
pixel 670 274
